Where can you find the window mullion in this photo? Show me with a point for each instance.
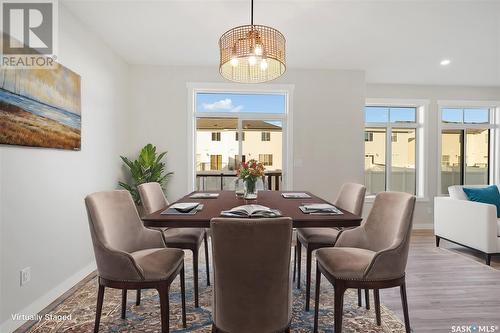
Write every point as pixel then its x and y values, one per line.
pixel 464 156
pixel 388 158
pixel 240 141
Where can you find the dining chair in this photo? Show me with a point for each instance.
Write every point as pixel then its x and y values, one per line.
pixel 252 280
pixel 153 200
pixel 371 256
pixel 351 198
pixel 130 256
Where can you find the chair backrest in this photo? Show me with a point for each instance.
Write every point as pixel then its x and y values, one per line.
pixel 387 232
pixel 116 230
pixel 252 287
pixel 351 198
pixel 152 197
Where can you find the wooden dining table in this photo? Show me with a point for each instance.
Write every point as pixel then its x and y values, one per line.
pixel 226 200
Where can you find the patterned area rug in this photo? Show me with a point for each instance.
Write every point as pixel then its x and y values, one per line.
pixel 77 312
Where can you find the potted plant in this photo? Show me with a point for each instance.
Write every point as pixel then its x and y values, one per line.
pixel 148 167
pixel 250 172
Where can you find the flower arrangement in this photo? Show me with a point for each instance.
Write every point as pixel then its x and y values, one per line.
pixel 250 172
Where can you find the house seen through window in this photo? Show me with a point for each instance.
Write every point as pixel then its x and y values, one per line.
pixel 465 147
pixel 233 128
pixel 394 130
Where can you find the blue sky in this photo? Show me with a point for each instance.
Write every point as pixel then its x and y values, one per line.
pixel 375 114
pixel 469 115
pixel 223 102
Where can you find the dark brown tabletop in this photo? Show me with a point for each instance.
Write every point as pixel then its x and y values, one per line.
pixel 272 199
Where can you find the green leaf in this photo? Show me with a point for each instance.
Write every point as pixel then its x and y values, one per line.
pixel 148 167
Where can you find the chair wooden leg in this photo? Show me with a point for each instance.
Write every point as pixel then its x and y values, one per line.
pixel 299 259
pixel 164 307
pixel 367 299
pixel 437 241
pixel 376 296
pixel 308 277
pixel 488 259
pixel 205 240
pixel 100 299
pixel 338 306
pixel 359 298
pixel 183 296
pixel 287 330
pixel 195 278
pixel 316 299
pixel 124 302
pixel 138 297
pixel 214 329
pixel 404 301
pixel 294 262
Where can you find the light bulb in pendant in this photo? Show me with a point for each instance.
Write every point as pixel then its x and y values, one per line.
pixel 252 60
pixel 234 61
pixel 258 49
pixel 263 64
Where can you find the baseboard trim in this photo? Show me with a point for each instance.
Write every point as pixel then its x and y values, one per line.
pixel 420 226
pixel 44 301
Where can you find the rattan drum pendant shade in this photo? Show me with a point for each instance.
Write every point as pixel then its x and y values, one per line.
pixel 252 53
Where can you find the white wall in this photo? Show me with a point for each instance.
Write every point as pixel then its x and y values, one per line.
pixel 327 122
pixel 44 220
pixel 424 209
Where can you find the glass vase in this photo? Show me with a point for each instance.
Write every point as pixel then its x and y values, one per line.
pixel 239 188
pixel 250 189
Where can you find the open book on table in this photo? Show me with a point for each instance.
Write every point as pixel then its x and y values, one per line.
pixel 251 211
pixel 320 209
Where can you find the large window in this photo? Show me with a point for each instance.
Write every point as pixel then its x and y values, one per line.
pixel 465 146
pixel 391 134
pixel 235 127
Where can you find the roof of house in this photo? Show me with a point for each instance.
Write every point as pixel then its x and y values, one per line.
pixel 232 124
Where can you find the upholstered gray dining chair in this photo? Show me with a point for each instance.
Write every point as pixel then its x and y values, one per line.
pixel 252 281
pixel 371 256
pixel 351 198
pixel 130 256
pixel 153 200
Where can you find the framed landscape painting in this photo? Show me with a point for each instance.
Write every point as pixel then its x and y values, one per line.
pixel 40 108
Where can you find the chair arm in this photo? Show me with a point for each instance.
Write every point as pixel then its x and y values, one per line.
pixel 470 223
pixel 355 237
pixel 152 239
pixel 116 265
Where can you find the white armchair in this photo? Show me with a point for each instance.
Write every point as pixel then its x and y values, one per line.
pixel 467 223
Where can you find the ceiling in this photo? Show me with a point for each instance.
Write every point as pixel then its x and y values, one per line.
pixel 393 41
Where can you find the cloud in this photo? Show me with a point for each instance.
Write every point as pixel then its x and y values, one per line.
pixel 223 104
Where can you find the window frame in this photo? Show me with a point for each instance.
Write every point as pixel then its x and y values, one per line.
pixel 217 137
pixel 286 119
pixel 265 136
pixel 421 137
pixel 492 126
pixel 237 134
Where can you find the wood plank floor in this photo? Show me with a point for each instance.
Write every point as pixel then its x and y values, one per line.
pixel 449 285
pixel 446 286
